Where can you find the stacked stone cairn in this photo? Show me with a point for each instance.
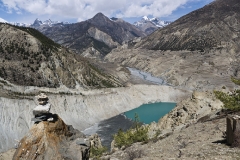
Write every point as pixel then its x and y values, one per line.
pixel 42 111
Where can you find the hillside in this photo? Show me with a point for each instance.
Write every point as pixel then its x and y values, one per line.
pixel 198 51
pixel 31 59
pixel 214 26
pixel 94 37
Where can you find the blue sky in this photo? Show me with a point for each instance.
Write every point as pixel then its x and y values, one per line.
pixel 27 11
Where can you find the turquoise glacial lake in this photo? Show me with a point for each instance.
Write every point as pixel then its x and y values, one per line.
pixel 148 113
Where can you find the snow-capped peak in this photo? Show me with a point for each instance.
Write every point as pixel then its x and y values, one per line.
pixel 156 21
pixel 20 24
pixel 145 18
pixel 149 25
pixel 3 20
pixel 47 23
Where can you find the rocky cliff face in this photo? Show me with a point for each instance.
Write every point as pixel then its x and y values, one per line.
pixel 81 109
pixel 191 110
pixel 51 140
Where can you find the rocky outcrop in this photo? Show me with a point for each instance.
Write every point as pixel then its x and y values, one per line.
pixel 51 140
pixel 81 109
pixel 201 105
pixel 102 37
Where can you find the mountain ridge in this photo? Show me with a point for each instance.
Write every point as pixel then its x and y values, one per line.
pixel 199 30
pixel 95 37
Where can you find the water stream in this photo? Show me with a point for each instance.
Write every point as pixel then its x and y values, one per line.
pixel 146 76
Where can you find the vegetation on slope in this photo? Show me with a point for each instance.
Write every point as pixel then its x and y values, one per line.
pixel 138 133
pixel 27 57
pixel 231 101
pixel 96 153
pixel 42 38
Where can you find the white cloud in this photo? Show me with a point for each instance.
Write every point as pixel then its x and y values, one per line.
pixel 85 9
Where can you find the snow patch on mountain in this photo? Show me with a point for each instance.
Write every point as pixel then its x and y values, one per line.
pixel 37 23
pixel 156 21
pixel 3 20
pixel 20 24
pixel 149 25
pixel 47 23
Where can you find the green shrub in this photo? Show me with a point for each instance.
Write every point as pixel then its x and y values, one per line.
pixel 138 133
pixel 97 152
pixel 236 81
pixel 230 101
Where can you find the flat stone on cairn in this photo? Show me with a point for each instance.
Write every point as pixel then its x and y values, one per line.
pixel 42 111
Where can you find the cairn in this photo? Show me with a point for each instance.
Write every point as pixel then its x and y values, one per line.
pixel 42 111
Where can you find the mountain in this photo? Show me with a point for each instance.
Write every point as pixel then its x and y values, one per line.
pixel 20 24
pixel 149 25
pixel 94 37
pixel 38 24
pixel 198 51
pixel 214 26
pixel 29 58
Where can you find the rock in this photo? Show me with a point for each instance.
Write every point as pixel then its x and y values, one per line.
pixel 113 148
pixel 41 109
pixel 95 141
pixel 42 99
pixel 7 155
pixel 233 130
pixel 83 141
pixel 190 110
pixel 50 141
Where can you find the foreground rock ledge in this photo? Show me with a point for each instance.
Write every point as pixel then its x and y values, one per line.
pixel 50 141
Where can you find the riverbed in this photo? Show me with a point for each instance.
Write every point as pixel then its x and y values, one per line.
pixel 146 76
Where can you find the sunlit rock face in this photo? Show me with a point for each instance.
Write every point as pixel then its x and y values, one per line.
pixel 51 140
